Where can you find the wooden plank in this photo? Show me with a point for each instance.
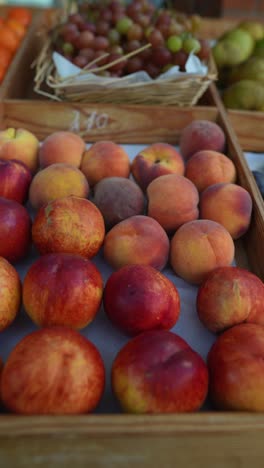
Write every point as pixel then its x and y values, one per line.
pixel 248 126
pixel 125 123
pixel 206 440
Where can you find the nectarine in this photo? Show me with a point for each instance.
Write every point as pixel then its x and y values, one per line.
pixel 201 135
pixel 54 370
pixel 10 293
pixel 198 247
pixel 154 161
pixel 70 225
pixel 139 239
pixel 229 296
pixel 158 372
pixel 105 159
pixel 62 289
pixel 62 147
pixel 138 298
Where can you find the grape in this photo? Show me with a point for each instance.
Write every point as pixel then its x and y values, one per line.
pixel 106 15
pixel 116 49
pixel 71 37
pixel 85 39
pixel 124 24
pixel 87 26
pixel 133 9
pixel 134 64
pixel 88 53
pixel 164 29
pixel 76 18
pixel 102 28
pixel 146 54
pixel 113 36
pixel 100 43
pixel 152 69
pixel 80 61
pixel 180 59
pixel 163 18
pixel 155 38
pixel 67 28
pixel 67 48
pixel 175 28
pixel 118 66
pixel 174 43
pixel 161 56
pixel 131 46
pixel 134 32
pixel 204 52
pixel 190 44
pixel 143 20
pixel 103 58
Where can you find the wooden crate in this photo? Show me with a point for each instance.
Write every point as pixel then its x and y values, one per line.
pixel 17 72
pixel 203 439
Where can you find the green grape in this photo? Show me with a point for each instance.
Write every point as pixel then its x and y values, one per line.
pixel 190 44
pixel 124 24
pixel 174 43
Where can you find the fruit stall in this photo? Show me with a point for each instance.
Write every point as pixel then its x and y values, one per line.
pixel 131 245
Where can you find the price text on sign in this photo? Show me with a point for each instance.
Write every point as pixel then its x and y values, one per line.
pixel 92 121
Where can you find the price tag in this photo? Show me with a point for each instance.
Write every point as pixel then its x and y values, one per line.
pixel 94 121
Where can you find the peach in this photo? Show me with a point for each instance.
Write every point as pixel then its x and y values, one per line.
pixel 70 225
pixel 209 167
pixel 57 181
pixel 201 135
pixel 138 239
pixel 138 298
pixel 54 370
pixel 15 179
pixel 62 147
pixel 20 144
pixel 236 369
pixel 229 296
pixel 156 160
pixel 118 198
pixel 62 289
pixel 172 201
pixel 15 230
pixel 158 372
pixel 105 159
pixel 227 204
pixel 198 247
pixel 10 294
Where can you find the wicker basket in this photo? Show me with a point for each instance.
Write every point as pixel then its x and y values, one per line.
pixel 184 89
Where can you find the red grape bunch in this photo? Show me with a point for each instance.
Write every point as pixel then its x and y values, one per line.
pixel 102 33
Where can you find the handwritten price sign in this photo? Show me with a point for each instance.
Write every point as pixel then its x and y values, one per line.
pixel 93 121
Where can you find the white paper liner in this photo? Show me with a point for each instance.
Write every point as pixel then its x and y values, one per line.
pixel 66 69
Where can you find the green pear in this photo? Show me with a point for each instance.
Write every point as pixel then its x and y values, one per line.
pixel 259 49
pixel 245 95
pixel 233 48
pixel 254 28
pixel 252 69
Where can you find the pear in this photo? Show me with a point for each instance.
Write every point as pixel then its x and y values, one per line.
pixel 233 48
pixel 259 49
pixel 252 69
pixel 245 95
pixel 255 29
